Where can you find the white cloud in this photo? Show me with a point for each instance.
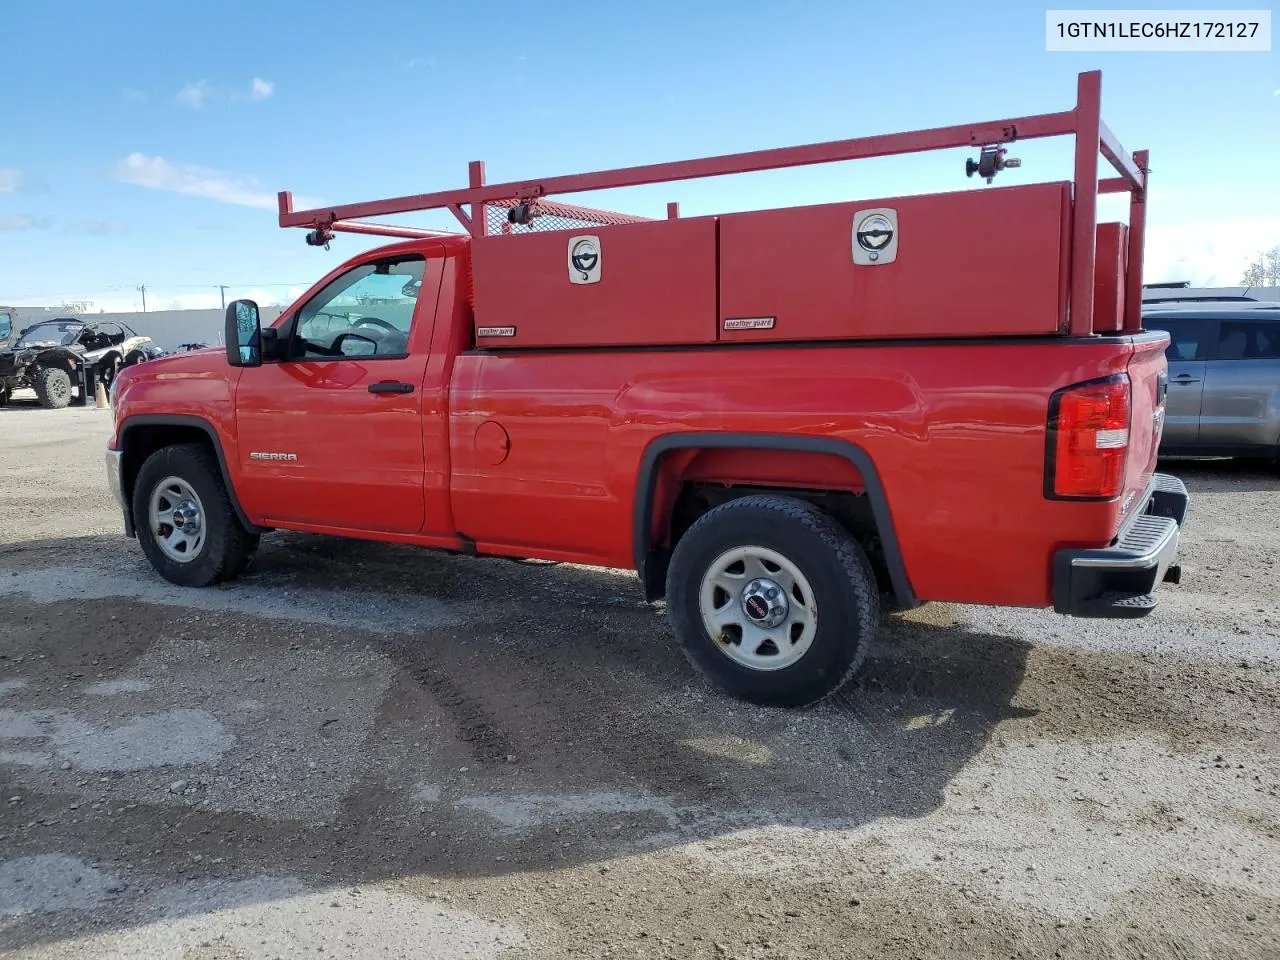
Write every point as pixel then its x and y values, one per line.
pixel 10 180
pixel 96 228
pixel 194 95
pixel 25 222
pixel 199 93
pixel 157 173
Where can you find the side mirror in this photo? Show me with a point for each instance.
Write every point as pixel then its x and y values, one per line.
pixel 354 345
pixel 243 334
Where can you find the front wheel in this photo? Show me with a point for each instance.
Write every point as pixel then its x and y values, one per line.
pixel 184 518
pixel 53 387
pixel 773 600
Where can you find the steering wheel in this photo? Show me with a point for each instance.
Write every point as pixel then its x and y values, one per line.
pixel 375 322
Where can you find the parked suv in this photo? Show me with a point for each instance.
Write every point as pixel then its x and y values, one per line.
pixel 1224 377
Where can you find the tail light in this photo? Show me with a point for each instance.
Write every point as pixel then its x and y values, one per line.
pixel 1088 440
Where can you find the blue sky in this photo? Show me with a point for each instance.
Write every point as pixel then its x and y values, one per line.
pixel 143 142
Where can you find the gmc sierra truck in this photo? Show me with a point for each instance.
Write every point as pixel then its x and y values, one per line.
pixel 784 420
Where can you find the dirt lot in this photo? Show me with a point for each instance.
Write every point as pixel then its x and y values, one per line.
pixel 363 751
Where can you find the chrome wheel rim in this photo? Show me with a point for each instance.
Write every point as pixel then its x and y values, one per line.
pixel 758 608
pixel 177 520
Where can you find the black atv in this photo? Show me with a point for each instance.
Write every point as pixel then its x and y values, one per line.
pixel 48 357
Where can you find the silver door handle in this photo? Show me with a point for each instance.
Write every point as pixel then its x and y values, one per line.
pixel 1182 380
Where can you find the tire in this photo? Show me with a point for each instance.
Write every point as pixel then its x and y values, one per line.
pixel 179 480
pixel 53 387
pixel 834 601
pixel 108 368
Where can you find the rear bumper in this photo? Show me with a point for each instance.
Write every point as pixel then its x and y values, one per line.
pixel 115 482
pixel 1120 580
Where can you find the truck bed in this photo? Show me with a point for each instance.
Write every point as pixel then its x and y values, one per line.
pixel 955 431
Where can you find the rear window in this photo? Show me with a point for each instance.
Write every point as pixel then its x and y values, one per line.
pixel 1249 340
pixel 1188 338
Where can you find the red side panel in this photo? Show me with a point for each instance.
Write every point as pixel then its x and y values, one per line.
pixel 657 285
pixel 956 432
pixel 977 263
pixel 1108 278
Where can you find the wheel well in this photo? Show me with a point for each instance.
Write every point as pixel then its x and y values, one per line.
pixel 142 441
pixel 852 510
pixel 50 361
pixel 682 477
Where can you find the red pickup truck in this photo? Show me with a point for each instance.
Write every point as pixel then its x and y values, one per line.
pixel 784 420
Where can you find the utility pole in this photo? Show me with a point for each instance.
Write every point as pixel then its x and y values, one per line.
pixel 222 288
pixel 143 288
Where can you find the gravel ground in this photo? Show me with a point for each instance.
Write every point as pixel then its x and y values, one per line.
pixel 369 751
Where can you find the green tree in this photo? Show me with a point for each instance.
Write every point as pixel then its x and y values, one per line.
pixel 1265 271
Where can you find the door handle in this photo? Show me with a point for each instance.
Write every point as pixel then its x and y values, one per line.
pixel 1185 379
pixel 391 386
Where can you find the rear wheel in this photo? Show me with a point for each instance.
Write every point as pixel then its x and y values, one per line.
pixel 184 518
pixel 773 600
pixel 53 387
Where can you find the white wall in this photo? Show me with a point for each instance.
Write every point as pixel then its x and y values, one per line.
pixel 167 328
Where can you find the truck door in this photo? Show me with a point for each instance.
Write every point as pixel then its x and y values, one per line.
pixel 1188 347
pixel 1241 403
pixel 332 435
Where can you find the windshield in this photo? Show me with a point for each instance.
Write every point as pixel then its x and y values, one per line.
pixel 62 332
pixel 6 326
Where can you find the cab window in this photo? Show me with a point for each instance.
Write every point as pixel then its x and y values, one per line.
pixel 366 312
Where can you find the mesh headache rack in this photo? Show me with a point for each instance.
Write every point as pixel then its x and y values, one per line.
pixel 525 207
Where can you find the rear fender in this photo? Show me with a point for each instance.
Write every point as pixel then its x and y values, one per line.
pixel 132 344
pixel 818 463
